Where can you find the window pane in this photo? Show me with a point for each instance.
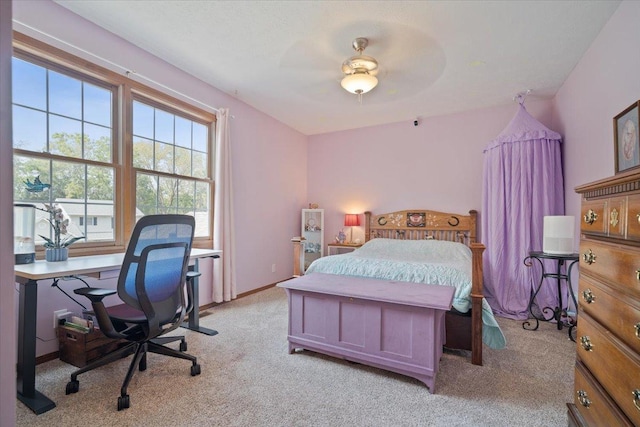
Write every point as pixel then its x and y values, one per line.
pixel 27 169
pixel 65 136
pixel 98 223
pixel 167 194
pixel 202 195
pixel 183 132
pixel 142 120
pixel 100 184
pixel 164 126
pixel 143 154
pixel 65 95
pixel 72 210
pixel 164 158
pixel 183 161
pixel 202 224
pixel 68 181
pixel 29 129
pixel 97 143
pixel 146 194
pixel 29 83
pixel 199 168
pixel 202 209
pixel 186 196
pixel 200 137
pixel 97 105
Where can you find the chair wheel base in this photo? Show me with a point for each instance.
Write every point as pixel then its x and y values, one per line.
pixel 195 370
pixel 72 387
pixel 123 402
pixel 183 346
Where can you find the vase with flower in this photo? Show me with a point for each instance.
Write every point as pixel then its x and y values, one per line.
pixel 57 249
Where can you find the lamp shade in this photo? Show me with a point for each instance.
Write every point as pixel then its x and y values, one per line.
pixel 351 220
pixel 558 235
pixel 359 83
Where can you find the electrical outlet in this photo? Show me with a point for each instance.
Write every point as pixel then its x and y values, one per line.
pixel 273 268
pixel 57 315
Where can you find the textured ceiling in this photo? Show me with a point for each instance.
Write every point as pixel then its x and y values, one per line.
pixel 436 57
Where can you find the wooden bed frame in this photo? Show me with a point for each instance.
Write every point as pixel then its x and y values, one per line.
pixel 463 331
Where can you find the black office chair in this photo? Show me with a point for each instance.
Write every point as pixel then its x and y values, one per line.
pixel 151 286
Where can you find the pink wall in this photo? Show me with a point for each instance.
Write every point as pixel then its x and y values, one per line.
pixel 7 307
pixel 437 164
pixel 603 84
pixel 268 159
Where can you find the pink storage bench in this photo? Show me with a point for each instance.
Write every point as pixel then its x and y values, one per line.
pixel 397 326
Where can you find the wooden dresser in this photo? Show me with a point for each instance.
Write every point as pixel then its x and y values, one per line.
pixel 607 373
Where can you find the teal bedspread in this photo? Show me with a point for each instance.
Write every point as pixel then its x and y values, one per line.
pixel 419 261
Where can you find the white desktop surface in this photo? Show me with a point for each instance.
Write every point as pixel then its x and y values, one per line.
pixel 42 269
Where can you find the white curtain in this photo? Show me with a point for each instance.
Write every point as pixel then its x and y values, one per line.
pixel 224 272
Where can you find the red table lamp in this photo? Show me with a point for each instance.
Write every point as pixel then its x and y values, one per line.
pixel 351 220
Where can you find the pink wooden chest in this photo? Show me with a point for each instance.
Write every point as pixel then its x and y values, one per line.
pixel 397 326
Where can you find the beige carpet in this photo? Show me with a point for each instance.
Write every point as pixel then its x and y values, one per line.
pixel 249 379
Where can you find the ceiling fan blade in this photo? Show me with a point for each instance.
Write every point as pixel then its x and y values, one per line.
pixel 307 55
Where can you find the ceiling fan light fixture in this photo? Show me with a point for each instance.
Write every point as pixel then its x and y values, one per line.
pixel 360 70
pixel 359 83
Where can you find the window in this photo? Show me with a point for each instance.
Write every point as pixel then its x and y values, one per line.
pixel 171 158
pixel 62 135
pixel 67 113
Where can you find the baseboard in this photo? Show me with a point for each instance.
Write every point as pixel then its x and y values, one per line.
pixel 56 354
pixel 255 291
pixel 47 357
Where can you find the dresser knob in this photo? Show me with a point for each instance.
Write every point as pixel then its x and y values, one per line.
pixel 589 257
pixel 586 343
pixel 590 217
pixel 588 296
pixel 583 399
pixel 636 398
pixel 637 328
pixel 638 217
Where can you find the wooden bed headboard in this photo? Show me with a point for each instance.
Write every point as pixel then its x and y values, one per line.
pixel 422 224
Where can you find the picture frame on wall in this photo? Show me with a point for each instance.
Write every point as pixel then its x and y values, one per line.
pixel 626 139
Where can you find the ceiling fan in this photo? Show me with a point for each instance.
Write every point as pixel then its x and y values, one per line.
pixel 310 66
pixel 360 70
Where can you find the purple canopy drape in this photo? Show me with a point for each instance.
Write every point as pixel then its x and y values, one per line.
pixel 522 182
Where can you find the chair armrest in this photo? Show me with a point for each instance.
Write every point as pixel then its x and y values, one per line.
pixel 193 274
pixel 94 294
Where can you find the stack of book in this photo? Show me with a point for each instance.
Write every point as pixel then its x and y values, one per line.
pixel 79 324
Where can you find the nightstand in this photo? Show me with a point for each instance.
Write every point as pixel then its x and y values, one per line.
pixel 341 248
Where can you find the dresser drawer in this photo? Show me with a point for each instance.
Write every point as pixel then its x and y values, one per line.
pixel 593 403
pixel 633 217
pixel 618 266
pixel 593 217
pixel 612 364
pixel 617 313
pixel 616 216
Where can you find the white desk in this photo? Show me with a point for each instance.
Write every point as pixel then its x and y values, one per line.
pixel 27 275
